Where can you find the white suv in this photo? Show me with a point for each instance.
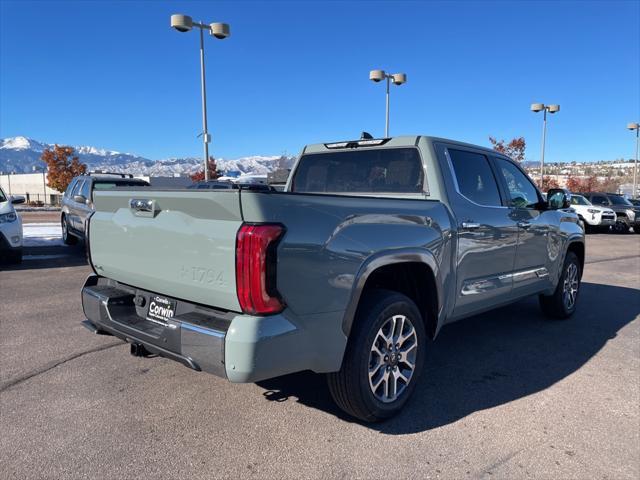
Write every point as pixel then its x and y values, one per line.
pixel 600 218
pixel 10 229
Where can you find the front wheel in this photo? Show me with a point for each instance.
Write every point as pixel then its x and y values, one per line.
pixel 562 304
pixel 384 357
pixel 621 227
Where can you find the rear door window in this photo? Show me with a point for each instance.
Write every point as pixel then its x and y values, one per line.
pixel 85 191
pixel 384 170
pixel 70 188
pixel 475 178
pixel 77 187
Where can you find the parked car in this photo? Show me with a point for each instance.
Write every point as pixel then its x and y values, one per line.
pixel 10 228
pixel 77 201
pixel 374 245
pixel 225 185
pixel 594 218
pixel 627 215
pixel 635 202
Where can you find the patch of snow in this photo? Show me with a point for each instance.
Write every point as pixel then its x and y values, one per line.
pixel 20 143
pixel 42 234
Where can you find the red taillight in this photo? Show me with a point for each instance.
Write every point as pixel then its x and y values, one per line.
pixel 256 268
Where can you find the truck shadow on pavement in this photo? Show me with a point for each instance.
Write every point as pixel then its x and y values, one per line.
pixel 489 360
pixel 48 257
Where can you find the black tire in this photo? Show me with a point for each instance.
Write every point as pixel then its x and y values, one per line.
pixel 67 237
pixel 350 387
pixel 621 227
pixel 14 256
pixel 555 306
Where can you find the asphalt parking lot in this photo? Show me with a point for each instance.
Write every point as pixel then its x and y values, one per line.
pixel 505 394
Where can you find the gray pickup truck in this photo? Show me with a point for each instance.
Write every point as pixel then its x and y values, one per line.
pixel 372 247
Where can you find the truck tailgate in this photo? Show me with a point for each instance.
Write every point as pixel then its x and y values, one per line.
pixel 177 243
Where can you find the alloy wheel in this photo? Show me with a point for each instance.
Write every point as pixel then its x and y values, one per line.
pixel 392 360
pixel 570 287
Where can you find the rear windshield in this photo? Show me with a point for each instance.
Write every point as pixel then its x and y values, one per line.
pixel 390 170
pixel 121 183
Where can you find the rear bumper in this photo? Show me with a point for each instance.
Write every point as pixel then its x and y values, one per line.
pixel 112 310
pixel 241 348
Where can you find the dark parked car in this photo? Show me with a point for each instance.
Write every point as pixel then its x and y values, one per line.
pixel 77 201
pixel 627 215
pixel 217 185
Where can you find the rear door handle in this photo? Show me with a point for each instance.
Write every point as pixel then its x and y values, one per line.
pixel 470 225
pixel 524 225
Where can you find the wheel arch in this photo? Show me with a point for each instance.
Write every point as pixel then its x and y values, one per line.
pixel 403 271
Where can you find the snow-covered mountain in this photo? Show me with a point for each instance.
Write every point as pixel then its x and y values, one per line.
pixel 21 154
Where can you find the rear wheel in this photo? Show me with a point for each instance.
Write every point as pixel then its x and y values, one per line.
pixel 562 304
pixel 67 237
pixel 383 359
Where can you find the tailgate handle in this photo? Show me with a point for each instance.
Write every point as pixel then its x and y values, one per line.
pixel 143 207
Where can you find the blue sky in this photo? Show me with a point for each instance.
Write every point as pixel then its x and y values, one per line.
pixel 115 75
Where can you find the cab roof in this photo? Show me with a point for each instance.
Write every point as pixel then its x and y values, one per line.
pixel 399 141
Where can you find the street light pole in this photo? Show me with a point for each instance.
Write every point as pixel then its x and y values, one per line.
pixel 184 23
pixel 386 124
pixel 544 137
pixel 635 164
pixel 636 127
pixel 541 107
pixel 397 79
pixel 44 185
pixel 205 132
